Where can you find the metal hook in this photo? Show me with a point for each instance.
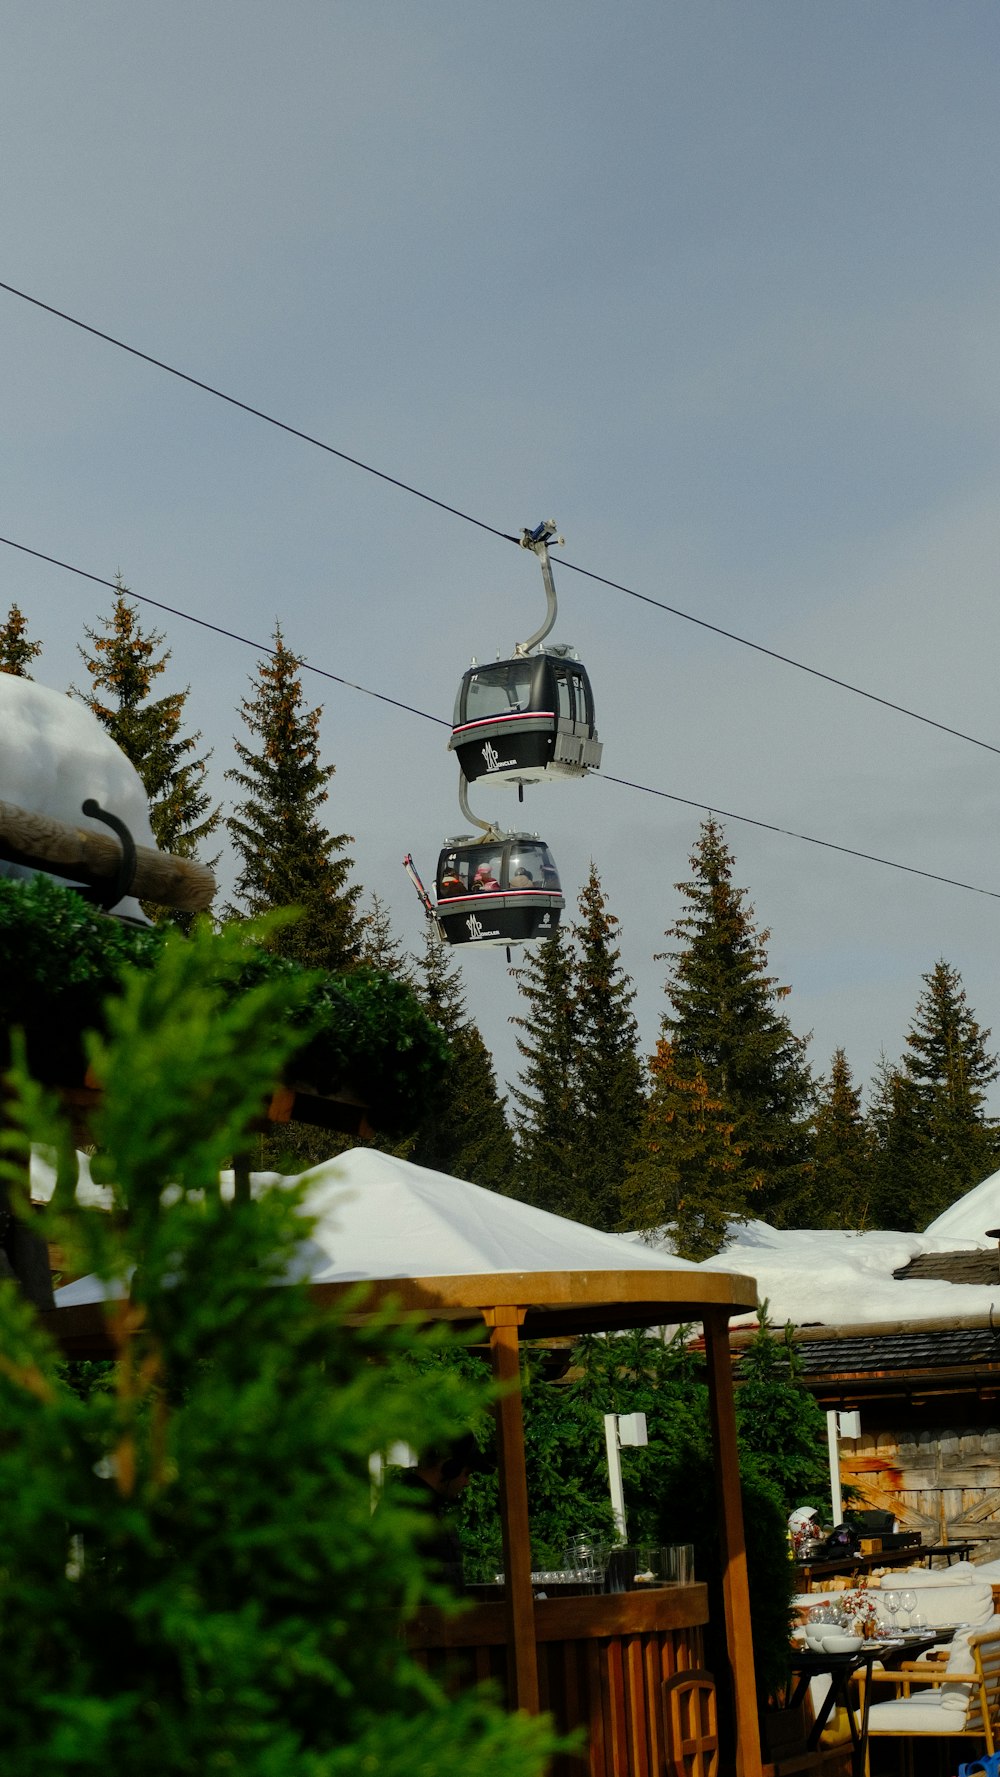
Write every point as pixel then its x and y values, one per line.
pixel 124 877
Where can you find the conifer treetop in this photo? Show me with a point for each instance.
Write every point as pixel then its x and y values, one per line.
pixel 16 651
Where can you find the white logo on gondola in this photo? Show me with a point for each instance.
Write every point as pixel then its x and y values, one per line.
pixel 475 926
pixel 491 756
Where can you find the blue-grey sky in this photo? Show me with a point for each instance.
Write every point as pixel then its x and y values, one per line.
pixel 717 287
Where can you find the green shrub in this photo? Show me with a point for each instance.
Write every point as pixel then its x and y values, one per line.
pixel 193 1580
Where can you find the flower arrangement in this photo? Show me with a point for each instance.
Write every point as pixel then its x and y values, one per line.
pixel 860 1612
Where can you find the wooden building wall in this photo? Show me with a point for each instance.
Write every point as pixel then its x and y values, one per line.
pixel 941 1480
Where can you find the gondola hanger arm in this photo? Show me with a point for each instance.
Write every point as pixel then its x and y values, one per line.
pixel 538 542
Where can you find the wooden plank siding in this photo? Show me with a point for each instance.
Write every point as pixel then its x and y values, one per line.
pixel 943 1482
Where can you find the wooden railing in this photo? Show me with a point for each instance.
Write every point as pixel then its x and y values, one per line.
pixel 601 1664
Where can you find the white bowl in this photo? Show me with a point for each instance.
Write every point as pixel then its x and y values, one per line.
pixel 841 1644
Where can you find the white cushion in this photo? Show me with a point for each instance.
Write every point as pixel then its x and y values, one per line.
pixel 921 1714
pixel 968 1601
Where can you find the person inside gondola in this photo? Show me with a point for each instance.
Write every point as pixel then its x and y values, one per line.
pixel 451 884
pixel 522 878
pixel 484 882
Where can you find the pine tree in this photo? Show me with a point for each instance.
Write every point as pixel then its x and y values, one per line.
pixel 123 665
pixel 688 1176
pixel 379 946
pixel 939 1105
pixel 465 1133
pixel 725 1020
pixel 16 652
pixel 547 1096
pixel 288 858
pixel 610 1091
pixel 842 1149
pixel 899 1152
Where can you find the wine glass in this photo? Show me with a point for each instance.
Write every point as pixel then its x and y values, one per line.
pixel 908 1602
pixel 891 1602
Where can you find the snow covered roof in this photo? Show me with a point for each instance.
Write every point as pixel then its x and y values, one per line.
pixel 843 1278
pixel 385 1220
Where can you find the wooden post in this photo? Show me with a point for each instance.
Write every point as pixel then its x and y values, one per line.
pixel 522 1655
pixel 735 1590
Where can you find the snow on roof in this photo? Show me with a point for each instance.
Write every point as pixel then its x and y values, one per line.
pixel 843 1278
pixel 378 1217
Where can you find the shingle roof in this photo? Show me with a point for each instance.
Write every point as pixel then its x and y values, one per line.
pixel 919 1349
pixel 980 1266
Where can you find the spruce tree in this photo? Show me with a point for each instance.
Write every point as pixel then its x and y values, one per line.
pixel 939 1104
pixel 379 946
pixel 547 1096
pixel 465 1132
pixel 610 1095
pixel 287 856
pixel 123 665
pixel 688 1177
pixel 725 1021
pixel 16 652
pixel 842 1150
pixel 899 1154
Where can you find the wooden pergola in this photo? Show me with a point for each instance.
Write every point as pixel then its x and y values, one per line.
pixel 518 1306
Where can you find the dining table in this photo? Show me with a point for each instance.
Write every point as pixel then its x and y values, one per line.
pixel 841 1669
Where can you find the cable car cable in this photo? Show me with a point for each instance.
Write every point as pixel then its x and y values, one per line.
pixel 808 838
pixel 232 635
pixel 481 524
pixel 257 412
pixel 425 715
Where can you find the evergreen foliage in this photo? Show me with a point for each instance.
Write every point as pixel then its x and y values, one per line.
pixel 287 857
pixel 688 1178
pixel 60 959
pixel 16 651
pixel 935 1140
pixel 193 1578
pixel 380 948
pixel 580 1098
pixel 897 1151
pixel 610 1095
pixel 464 1131
pixel 547 1094
pixel 725 1021
pixel 779 1422
pixel 123 666
pixel 842 1151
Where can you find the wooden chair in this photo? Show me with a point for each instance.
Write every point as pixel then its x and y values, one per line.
pixel 690 1724
pixel 951 1703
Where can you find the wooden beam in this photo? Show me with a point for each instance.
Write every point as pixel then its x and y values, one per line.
pixel 87 855
pixel 735 1589
pixel 522 1653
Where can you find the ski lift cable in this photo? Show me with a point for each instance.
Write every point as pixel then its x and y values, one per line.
pixel 425 715
pixel 481 524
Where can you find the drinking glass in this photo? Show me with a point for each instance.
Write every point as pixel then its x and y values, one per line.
pixel 891 1602
pixel 908 1602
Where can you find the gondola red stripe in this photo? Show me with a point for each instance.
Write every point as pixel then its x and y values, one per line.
pixel 521 716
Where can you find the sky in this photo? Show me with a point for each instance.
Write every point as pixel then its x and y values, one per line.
pixel 714 287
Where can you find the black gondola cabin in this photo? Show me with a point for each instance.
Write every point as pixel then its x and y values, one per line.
pixel 526 720
pixel 503 890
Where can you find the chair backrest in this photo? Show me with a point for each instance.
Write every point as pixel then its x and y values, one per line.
pixel 984 1702
pixel 691 1724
